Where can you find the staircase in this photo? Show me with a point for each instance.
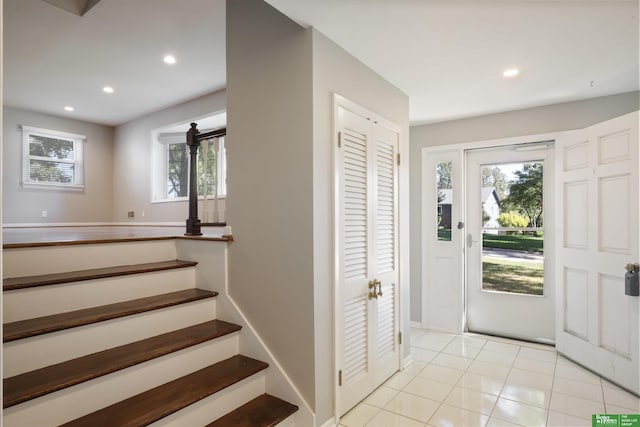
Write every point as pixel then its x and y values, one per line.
pixel 118 334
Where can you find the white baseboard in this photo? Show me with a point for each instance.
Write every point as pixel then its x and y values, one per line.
pixel 415 324
pixel 94 224
pixel 252 345
pixel 407 361
pixel 153 224
pixel 55 224
pixel 330 423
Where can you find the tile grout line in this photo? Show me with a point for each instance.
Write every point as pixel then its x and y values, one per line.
pixel 553 380
pixel 604 402
pixel 504 384
pixel 466 370
pixel 445 398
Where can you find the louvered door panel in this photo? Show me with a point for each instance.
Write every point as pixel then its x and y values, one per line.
pixel 355 203
pixel 386 330
pixel 385 253
pixel 385 210
pixel 354 241
pixel 356 340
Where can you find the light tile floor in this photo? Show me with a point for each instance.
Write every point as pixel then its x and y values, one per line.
pixel 475 380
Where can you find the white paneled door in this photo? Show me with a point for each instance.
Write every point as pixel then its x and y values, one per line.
pixel 598 192
pixel 366 253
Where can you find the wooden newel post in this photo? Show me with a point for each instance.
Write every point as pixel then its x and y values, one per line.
pixel 193 222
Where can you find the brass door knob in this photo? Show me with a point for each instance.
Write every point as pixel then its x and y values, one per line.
pixel 372 293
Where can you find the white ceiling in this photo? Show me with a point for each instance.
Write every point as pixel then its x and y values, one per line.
pixel 448 56
pixel 53 58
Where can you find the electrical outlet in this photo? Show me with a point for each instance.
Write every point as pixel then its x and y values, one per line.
pixel 44 214
pixel 130 214
pixel 142 213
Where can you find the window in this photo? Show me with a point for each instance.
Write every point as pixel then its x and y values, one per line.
pixel 52 159
pixel 444 193
pixel 170 160
pixel 177 169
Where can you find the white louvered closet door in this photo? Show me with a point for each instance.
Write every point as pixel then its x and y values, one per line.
pixel 368 349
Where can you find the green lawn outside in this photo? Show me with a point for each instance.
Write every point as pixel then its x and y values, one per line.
pixel 444 234
pixel 513 276
pixel 505 275
pixel 502 241
pixel 516 243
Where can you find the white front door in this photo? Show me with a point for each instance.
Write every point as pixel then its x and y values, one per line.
pixel 442 240
pixel 597 324
pixel 367 253
pixel 510 283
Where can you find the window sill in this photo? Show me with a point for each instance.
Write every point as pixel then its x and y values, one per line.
pixel 185 199
pixel 52 186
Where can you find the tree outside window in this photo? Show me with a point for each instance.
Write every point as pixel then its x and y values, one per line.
pixel 178 169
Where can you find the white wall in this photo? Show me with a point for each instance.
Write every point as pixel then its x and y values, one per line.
pixel 132 161
pixel 22 205
pixel 336 71
pixel 551 118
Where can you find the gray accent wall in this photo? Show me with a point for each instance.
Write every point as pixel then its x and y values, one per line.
pixel 270 182
pixel 21 205
pixel 531 121
pixel 280 84
pixel 133 165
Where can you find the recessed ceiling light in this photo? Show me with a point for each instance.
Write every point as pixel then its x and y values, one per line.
pixel 107 89
pixel 511 72
pixel 68 108
pixel 169 59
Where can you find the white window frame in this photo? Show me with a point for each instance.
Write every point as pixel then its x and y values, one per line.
pixel 78 162
pixel 161 142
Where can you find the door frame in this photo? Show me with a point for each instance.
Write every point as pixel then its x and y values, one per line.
pixel 403 236
pixel 427 232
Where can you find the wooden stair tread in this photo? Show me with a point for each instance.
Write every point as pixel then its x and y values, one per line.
pixel 30 385
pixel 157 403
pixel 56 322
pixel 14 283
pixel 263 411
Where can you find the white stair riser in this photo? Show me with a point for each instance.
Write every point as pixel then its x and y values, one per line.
pixel 36 352
pixel 79 400
pixel 213 407
pixel 20 262
pixel 45 300
pixel 290 421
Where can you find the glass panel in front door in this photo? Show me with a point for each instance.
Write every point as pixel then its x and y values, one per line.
pixel 512 228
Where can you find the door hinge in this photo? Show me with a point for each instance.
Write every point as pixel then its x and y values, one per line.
pixel 339 139
pixel 398 159
pixel 340 377
pixel 400 338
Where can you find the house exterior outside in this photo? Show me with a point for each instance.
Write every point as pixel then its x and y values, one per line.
pixel 490 208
